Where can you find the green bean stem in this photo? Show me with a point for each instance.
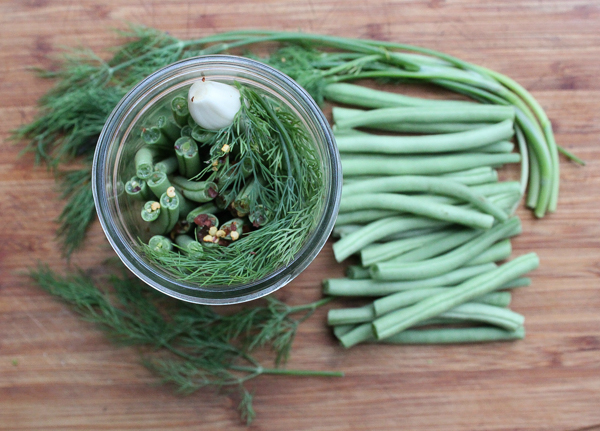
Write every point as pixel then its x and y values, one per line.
pixel 394 322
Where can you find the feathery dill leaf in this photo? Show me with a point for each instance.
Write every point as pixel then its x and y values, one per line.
pixel 188 345
pixel 288 185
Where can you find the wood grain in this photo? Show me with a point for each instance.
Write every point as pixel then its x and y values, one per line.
pixel 59 373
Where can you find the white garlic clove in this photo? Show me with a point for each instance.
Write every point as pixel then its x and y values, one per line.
pixel 213 105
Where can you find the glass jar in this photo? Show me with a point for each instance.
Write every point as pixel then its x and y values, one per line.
pixel 119 141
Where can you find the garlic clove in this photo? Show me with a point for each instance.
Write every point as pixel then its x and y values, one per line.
pixel 213 105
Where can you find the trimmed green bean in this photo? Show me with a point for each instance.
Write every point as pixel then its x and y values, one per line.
pixel 432 249
pixel 382 252
pixel 154 138
pixel 442 143
pixel 150 211
pixel 179 108
pixel 449 261
pixel 160 243
pixel 484 313
pixel 158 183
pixel 168 127
pixel 431 114
pixel 454 336
pixel 208 208
pixel 404 203
pixel 422 165
pixel 425 184
pixel 342 114
pixel 169 210
pixel 396 321
pixel 188 157
pixel 398 300
pixel 197 191
pixel 189 245
pixel 359 95
pixel 364 216
pixel 143 162
pixel 377 230
pixel 357 272
pixel 367 287
pixel 137 189
pixel 499 251
pixel 167 166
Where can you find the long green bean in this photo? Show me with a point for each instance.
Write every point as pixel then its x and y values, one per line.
pixel 425 184
pixel 455 239
pixel 497 252
pixel 341 114
pixel 354 287
pixel 363 216
pixel 377 230
pixel 422 165
pixel 454 336
pixel 143 162
pixel 449 261
pixel 442 143
pixel 369 98
pixel 404 203
pixel 396 321
pixel 381 252
pixel 430 114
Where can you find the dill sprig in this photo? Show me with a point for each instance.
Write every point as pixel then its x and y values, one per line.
pixel 288 185
pixel 188 345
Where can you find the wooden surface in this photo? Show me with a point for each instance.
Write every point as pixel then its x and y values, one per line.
pixel 57 372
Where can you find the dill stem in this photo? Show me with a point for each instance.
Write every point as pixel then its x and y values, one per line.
pixel 282 371
pixel 312 306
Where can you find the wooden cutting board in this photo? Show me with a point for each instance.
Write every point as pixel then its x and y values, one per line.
pixel 58 373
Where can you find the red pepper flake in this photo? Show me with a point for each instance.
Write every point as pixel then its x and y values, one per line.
pixel 253 253
pixel 202 220
pixel 203 79
pixel 212 192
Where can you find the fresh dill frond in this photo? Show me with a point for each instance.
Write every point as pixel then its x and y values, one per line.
pixel 79 211
pixel 188 345
pixel 289 186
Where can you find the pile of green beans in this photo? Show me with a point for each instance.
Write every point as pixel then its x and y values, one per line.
pixel 428 219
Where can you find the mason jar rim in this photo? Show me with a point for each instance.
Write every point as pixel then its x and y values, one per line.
pixel 224 295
